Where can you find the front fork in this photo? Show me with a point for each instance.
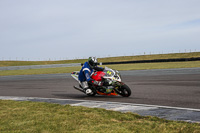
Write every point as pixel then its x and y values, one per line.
pixel 117 86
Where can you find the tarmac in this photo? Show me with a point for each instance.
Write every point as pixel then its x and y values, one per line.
pixel 171 94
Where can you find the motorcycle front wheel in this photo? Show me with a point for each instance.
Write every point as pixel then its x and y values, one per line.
pixel 124 91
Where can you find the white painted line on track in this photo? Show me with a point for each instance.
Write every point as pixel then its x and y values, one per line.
pixel 97 102
pixel 165 112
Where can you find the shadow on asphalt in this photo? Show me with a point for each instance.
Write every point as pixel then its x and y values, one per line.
pixel 96 97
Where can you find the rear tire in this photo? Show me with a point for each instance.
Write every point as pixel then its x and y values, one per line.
pixel 124 91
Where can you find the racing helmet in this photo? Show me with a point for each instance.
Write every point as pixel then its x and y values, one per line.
pixel 92 61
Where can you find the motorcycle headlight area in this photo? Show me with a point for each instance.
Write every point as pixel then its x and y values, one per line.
pixel 117 75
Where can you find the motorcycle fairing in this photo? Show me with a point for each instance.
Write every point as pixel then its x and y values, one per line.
pixel 107 94
pixel 75 75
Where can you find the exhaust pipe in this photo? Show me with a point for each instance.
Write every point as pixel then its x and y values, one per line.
pixel 77 88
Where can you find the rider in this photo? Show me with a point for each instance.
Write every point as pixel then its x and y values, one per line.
pixel 85 73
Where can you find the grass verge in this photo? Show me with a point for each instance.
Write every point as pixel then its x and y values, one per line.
pixel 151 57
pixel 26 117
pixel 26 63
pixel 140 66
pixel 40 71
pixel 108 59
pixel 162 65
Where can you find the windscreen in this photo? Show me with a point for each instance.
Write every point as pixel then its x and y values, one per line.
pixel 108 73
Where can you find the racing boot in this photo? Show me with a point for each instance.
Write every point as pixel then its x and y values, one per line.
pixel 88 91
pixel 86 88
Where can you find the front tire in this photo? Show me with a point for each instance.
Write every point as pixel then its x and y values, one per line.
pixel 124 91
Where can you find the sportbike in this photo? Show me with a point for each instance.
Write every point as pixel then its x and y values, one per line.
pixel 107 82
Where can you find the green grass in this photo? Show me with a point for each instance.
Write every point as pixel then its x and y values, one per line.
pixel 34 117
pixel 151 57
pixel 40 71
pixel 109 59
pixel 163 65
pixel 25 63
pixel 140 66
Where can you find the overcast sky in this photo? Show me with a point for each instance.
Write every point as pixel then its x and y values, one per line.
pixel 68 29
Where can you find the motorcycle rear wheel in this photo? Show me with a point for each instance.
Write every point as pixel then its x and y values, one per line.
pixel 124 91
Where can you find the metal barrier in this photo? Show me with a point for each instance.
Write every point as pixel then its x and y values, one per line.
pixel 151 61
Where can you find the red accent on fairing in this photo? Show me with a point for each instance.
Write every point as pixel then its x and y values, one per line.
pixel 97 76
pixel 109 94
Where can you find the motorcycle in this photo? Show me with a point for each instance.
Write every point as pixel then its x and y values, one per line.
pixel 107 82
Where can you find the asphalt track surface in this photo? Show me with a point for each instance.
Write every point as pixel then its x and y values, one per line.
pixel 168 87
